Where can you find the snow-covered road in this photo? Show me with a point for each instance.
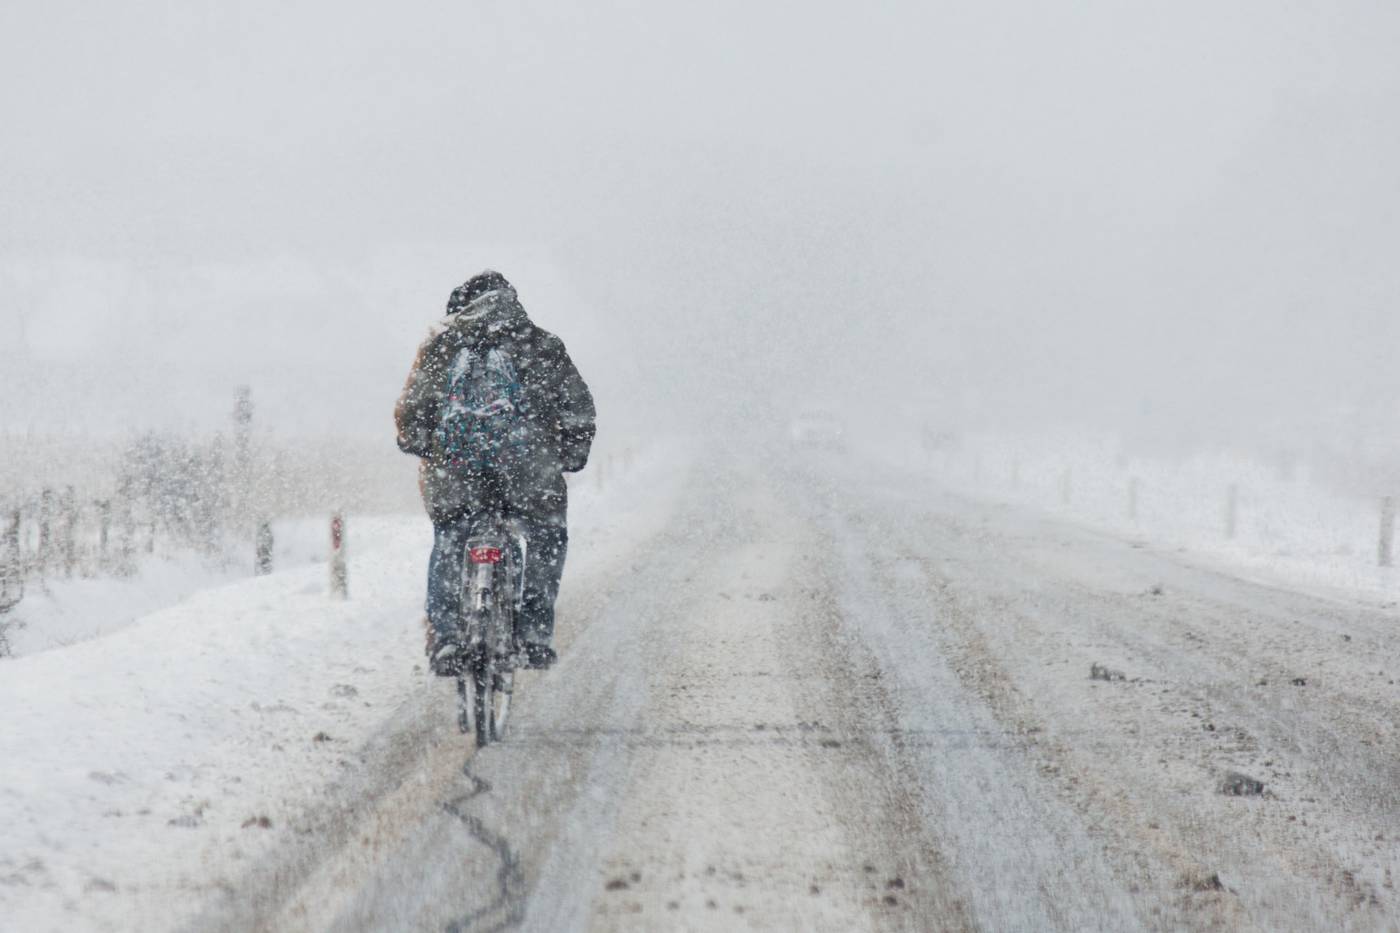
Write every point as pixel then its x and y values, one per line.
pixel 833 697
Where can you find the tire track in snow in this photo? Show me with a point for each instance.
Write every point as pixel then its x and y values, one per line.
pixel 393 812
pixel 1018 857
pixel 760 795
pixel 1013 596
pixel 510 880
pixel 533 819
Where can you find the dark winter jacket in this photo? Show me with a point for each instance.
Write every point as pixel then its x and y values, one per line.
pixel 557 414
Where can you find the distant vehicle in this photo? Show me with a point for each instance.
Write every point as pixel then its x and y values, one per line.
pixel 819 430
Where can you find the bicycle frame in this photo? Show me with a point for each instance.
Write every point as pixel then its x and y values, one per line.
pixel 495 560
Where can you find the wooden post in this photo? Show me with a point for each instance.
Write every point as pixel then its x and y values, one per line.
pixel 262 549
pixel 104 530
pixel 13 556
pixel 1387 543
pixel 45 530
pixel 126 529
pixel 70 531
pixel 11 567
pixel 340 575
pixel 1132 498
pixel 1232 510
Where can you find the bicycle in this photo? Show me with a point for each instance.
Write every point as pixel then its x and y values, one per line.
pixel 493 588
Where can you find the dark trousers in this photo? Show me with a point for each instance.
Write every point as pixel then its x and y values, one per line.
pixel 543 513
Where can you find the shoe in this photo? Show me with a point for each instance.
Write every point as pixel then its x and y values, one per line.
pixel 539 657
pixel 444 657
pixel 446 661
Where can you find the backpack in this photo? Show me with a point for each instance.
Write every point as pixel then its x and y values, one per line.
pixel 481 423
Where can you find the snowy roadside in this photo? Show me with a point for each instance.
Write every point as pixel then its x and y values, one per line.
pixel 1225 510
pixel 142 770
pixel 59 612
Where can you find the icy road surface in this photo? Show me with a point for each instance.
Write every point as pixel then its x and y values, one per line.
pixel 836 698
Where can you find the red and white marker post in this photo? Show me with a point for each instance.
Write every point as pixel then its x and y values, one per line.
pixel 340 576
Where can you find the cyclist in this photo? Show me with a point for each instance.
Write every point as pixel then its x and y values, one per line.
pixel 497 413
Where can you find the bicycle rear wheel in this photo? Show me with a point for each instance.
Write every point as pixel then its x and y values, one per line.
pixel 502 684
pixel 464 704
pixel 503 630
pixel 482 676
pixel 491 688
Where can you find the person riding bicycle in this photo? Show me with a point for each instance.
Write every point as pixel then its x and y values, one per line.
pixel 498 414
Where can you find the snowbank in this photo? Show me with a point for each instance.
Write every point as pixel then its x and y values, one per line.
pixel 59 612
pixel 142 770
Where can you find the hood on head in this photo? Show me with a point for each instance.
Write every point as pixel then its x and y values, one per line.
pixel 477 294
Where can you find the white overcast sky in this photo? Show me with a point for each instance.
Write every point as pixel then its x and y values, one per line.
pixel 1099 211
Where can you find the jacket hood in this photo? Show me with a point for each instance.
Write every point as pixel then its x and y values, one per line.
pixel 487 314
pixel 478 286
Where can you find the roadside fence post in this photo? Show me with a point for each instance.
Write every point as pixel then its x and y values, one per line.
pixel 11 566
pixel 262 549
pixel 126 530
pixel 1387 542
pixel 69 507
pixel 104 531
pixel 340 574
pixel 12 551
pixel 45 530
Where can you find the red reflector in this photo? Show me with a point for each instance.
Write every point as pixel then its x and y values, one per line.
pixel 485 555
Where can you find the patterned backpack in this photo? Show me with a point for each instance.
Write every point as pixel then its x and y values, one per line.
pixel 481 424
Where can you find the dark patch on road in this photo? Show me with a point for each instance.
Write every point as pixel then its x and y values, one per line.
pixel 510 880
pixel 1241 785
pixel 1200 881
